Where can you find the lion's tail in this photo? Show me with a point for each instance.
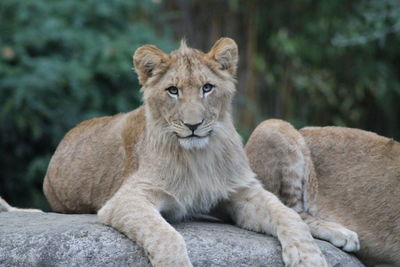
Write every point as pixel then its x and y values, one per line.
pixel 4 207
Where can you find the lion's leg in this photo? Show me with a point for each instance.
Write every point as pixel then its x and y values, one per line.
pixel 275 156
pixel 335 233
pixel 282 161
pixel 259 210
pixel 136 213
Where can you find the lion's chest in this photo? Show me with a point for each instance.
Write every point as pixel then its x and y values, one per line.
pixel 198 179
pixel 200 194
pixel 200 184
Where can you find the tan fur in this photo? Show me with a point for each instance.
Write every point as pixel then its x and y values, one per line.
pixel 346 177
pixel 141 168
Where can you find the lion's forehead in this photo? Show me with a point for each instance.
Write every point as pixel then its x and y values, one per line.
pixel 188 71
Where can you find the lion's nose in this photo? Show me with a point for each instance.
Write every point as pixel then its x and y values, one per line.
pixel 193 127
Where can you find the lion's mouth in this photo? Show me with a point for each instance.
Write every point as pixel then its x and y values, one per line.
pixel 194 135
pixel 191 136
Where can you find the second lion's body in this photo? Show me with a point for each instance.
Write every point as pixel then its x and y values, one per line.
pixel 341 175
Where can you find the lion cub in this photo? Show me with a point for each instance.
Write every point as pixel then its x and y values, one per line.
pixel 342 175
pixel 176 156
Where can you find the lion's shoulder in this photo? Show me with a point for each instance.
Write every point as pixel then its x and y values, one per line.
pixel 88 126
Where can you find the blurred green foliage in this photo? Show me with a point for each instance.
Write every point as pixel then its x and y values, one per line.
pixel 311 62
pixel 332 63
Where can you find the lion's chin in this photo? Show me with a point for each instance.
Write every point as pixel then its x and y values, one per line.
pixel 193 142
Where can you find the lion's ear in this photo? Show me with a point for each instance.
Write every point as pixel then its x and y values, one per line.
pixel 225 52
pixel 148 59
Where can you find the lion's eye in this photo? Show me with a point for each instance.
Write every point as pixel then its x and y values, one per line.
pixel 173 90
pixel 207 88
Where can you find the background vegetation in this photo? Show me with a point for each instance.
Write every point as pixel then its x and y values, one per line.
pixel 330 62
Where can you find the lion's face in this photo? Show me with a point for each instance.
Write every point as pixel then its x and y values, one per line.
pixel 188 92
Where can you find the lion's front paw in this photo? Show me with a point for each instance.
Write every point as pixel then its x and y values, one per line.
pixel 345 239
pixel 303 254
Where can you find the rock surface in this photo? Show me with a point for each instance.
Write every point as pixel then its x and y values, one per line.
pixel 50 239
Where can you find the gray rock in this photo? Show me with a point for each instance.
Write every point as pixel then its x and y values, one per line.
pixel 50 239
